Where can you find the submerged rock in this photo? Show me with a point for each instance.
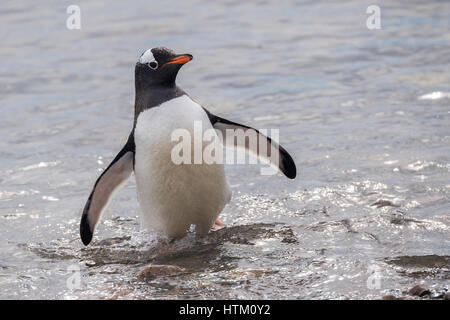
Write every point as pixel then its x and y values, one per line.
pixel 152 271
pixel 384 203
pixel 428 261
pixel 418 290
pixel 113 241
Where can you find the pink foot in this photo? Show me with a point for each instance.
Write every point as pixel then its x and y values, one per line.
pixel 218 224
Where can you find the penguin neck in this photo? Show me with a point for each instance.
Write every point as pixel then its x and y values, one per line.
pixel 149 97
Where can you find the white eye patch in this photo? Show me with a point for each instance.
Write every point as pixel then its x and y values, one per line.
pixel 147 57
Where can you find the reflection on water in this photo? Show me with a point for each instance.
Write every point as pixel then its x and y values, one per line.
pixel 365 114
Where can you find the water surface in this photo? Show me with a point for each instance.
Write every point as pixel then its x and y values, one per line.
pixel 364 113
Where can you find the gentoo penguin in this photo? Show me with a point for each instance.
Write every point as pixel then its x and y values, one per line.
pixel 172 196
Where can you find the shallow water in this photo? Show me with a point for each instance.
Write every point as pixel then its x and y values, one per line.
pixel 365 114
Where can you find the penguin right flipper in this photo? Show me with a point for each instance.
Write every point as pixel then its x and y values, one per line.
pixel 283 159
pixel 118 171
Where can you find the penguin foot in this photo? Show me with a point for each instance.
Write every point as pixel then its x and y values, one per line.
pixel 218 224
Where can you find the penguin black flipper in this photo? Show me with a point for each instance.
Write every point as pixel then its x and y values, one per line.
pixel 284 163
pixel 118 171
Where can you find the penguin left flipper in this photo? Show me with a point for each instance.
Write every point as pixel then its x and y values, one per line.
pixel 282 158
pixel 118 171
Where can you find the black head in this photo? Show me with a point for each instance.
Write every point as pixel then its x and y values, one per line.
pixel 159 67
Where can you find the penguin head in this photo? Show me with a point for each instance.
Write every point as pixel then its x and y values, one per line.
pixel 159 67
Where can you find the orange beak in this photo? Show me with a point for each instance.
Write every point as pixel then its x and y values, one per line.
pixel 181 59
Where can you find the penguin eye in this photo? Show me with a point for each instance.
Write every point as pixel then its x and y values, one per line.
pixel 153 65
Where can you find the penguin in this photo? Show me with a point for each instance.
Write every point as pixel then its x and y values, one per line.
pixel 172 196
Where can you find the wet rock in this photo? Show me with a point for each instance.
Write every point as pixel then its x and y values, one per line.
pixel 193 253
pixel 321 251
pixel 384 203
pixel 112 241
pixel 102 255
pixel 428 261
pixel 400 219
pixel 244 234
pixel 288 235
pixel 425 293
pixel 418 290
pixel 49 253
pixel 152 271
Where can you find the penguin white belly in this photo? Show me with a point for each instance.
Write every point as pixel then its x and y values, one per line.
pixel 174 196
